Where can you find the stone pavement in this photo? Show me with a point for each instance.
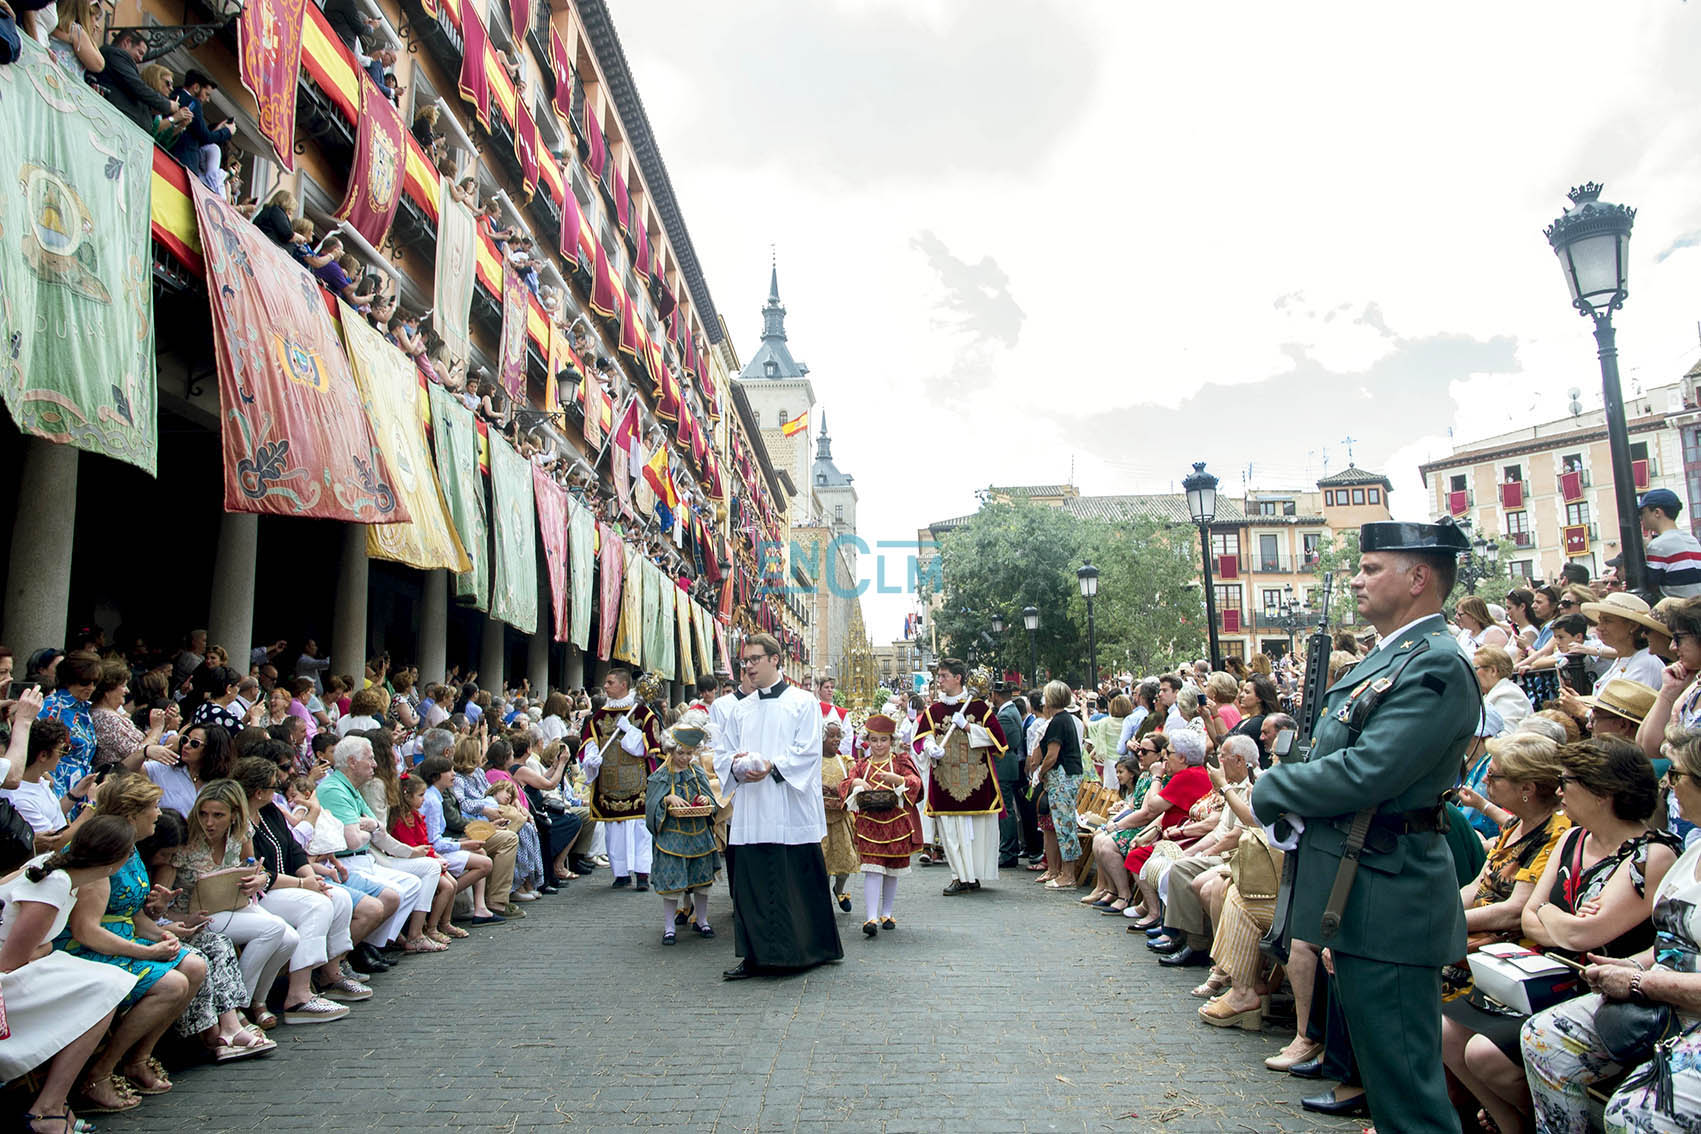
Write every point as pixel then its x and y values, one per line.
pixel 1011 1010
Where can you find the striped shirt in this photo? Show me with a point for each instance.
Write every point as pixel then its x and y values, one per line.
pixel 1674 564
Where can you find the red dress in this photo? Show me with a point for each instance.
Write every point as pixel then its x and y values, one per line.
pixel 886 839
pixel 1184 789
pixel 411 830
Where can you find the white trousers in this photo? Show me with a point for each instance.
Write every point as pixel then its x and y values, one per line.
pixel 266 942
pixel 406 886
pixel 427 870
pixel 629 847
pixel 971 845
pixel 320 921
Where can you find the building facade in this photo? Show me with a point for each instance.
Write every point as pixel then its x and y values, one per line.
pixel 1549 491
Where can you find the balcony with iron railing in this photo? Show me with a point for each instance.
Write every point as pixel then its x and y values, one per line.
pixel 1277 564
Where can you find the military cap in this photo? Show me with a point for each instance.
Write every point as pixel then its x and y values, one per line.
pixel 1440 538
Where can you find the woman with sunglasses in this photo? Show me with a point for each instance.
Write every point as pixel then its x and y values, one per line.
pixel 1595 896
pixel 1563 1053
pixel 1679 699
pixel 204 753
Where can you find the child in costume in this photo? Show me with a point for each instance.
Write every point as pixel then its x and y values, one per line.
pixel 685 861
pixel 885 836
pixel 839 847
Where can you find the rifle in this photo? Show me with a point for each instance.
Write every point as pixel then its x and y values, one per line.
pixel 1317 652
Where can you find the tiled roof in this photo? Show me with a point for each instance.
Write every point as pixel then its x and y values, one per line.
pixel 1163 508
pixel 1351 475
pixel 1033 490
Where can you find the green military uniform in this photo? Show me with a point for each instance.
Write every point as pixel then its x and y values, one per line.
pixel 1402 920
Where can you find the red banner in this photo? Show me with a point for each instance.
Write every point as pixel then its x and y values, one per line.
pixel 603 300
pixel 1512 494
pixel 1577 539
pixel 269 40
pixel 296 439
pixel 562 66
pixel 1458 503
pixel 628 327
pixel 474 83
pixel 375 182
pixel 511 362
pixel 569 224
pixel 525 145
pixel 611 573
pixel 598 159
pixel 520 17
pixel 552 526
pixel 1571 486
pixel 622 202
pixel 642 264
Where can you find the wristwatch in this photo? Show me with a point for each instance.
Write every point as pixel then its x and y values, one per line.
pixel 1636 992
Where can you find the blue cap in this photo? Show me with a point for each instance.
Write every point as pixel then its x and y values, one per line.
pixel 1662 498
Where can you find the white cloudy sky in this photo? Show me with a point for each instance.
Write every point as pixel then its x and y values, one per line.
pixel 1017 237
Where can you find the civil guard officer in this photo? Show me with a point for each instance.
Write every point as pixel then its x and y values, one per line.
pixel 1374 881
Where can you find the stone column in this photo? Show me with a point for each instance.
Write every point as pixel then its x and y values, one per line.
pixel 574 677
pixel 348 622
pixel 230 619
pixel 491 655
pixel 537 662
pixel 434 626
pixel 38 577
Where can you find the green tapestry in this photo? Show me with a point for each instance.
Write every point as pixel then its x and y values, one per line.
pixel 454 435
pixel 665 662
pixel 513 521
pixel 652 625
pixel 581 559
pixel 76 289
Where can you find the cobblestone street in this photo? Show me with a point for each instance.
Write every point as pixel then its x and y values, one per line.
pixel 995 1012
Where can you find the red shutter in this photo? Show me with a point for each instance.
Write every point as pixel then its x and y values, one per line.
pixel 1512 494
pixel 1639 473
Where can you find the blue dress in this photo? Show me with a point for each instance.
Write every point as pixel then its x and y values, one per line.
pixel 129 890
pixel 685 856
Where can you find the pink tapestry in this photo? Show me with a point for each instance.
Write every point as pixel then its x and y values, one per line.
pixel 611 574
pixel 380 154
pixel 296 439
pixel 511 362
pixel 552 526
pixel 269 41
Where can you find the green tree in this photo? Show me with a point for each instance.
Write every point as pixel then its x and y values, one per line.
pixel 1338 557
pixel 1149 613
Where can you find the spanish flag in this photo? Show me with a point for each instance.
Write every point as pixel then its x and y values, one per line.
pixel 659 476
pixel 796 425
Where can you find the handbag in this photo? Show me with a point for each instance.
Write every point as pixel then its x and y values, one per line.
pixel 877 799
pixel 1254 866
pixel 1630 1029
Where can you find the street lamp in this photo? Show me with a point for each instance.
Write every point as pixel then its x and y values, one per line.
pixel 1480 563
pixel 1030 619
pixel 1592 241
pixel 1292 615
pixel 1201 489
pixel 998 624
pixel 1088 576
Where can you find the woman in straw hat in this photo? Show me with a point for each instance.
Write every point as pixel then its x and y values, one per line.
pixel 1628 628
pixel 887 832
pixel 685 860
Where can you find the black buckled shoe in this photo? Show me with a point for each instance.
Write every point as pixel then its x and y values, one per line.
pixel 1185 957
pixel 1329 1103
pixel 741 971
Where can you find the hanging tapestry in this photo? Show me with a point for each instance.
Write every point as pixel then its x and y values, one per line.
pixel 454 434
pixel 552 526
pixel 513 524
pixel 581 540
pixel 611 575
pixel 76 295
pixel 380 154
pixel 457 258
pixel 268 35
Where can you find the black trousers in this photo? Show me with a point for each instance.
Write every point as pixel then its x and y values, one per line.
pixel 1029 817
pixel 1010 822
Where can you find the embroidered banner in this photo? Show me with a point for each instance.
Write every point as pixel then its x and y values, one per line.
pixel 597 160
pixel 380 154
pixel 628 639
pixel 76 296
pixel 570 228
pixel 622 201
pixel 268 37
pixel 389 386
pixel 658 621
pixel 552 526
pixel 457 249
pixel 611 573
pixel 520 18
pixel 682 624
pixel 296 440
pixel 456 440
pixel 513 523
pixel 603 299
pixel 581 561
pixel 474 83
pixel 511 359
pixel 703 626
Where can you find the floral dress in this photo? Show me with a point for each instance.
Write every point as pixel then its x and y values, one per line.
pixel 1124 839
pixel 685 855
pixel 128 891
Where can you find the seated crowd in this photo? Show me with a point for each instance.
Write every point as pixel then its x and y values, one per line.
pixel 191 855
pixel 1568 833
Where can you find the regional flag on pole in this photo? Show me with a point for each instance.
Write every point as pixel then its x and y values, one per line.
pixel 659 477
pixel 796 425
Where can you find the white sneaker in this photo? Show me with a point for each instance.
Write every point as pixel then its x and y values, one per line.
pixel 525 896
pixel 314 1010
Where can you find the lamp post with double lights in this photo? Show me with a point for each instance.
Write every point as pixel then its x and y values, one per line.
pixel 1030 620
pixel 1592 241
pixel 1088 576
pixel 1292 615
pixel 1481 563
pixel 1201 489
pixel 998 635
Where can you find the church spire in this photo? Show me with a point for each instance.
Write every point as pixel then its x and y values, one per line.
pixel 773 312
pixel 823 443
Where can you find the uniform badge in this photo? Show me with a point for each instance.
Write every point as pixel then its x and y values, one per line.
pixel 1359 688
pixel 1383 684
pixel 1344 713
pixel 1407 644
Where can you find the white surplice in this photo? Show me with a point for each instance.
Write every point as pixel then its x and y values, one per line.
pixel 782 726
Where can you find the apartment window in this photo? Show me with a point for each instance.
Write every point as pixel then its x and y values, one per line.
pixel 1328 497
pixel 771 369
pixel 1376 496
pixel 1267 507
pixel 1522 569
pixel 1313 542
pixel 1571 462
pixel 1457 483
pixel 1577 513
pixel 1517 523
pixel 1692 445
pixel 784 417
pixel 1289 508
pixel 1272 601
pixel 1269 553
pixel 1638 450
pixel 1228 597
pixel 1225 543
pixel 1512 474
pixel 1358 496
pixel 838 513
